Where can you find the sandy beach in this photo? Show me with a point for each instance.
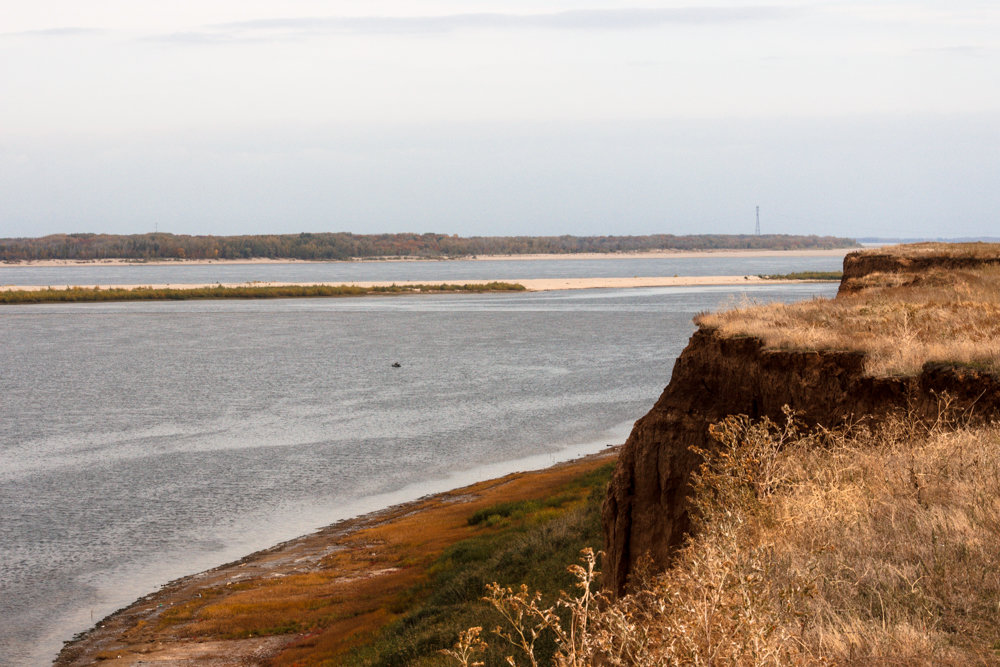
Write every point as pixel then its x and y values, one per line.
pixel 531 284
pixel 647 254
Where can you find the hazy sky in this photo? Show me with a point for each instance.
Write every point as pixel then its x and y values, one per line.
pixel 870 117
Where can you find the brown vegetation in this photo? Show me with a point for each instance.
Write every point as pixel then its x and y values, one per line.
pixel 937 251
pixel 898 320
pixel 871 539
pixel 868 545
pixel 898 264
pixel 911 333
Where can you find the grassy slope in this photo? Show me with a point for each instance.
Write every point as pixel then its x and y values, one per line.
pixel 864 547
pixel 533 545
pixel 877 544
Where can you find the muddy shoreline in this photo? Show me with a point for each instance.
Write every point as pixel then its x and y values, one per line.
pixel 132 635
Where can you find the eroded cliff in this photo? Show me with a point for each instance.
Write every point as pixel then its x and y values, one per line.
pixel 647 510
pixel 864 269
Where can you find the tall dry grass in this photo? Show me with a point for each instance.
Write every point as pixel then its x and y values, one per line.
pixel 862 547
pixel 901 322
pixel 971 250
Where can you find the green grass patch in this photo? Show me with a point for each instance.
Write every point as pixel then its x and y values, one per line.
pixel 97 294
pixel 804 275
pixel 532 542
pixel 519 509
pixel 286 628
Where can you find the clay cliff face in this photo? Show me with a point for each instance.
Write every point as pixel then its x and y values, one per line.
pixel 858 265
pixel 646 510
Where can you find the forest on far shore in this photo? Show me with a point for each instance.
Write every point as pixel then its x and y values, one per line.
pixel 346 246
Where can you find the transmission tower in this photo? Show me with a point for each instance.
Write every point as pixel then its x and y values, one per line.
pixel 756 229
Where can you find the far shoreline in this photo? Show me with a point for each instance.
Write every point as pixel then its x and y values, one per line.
pixel 644 254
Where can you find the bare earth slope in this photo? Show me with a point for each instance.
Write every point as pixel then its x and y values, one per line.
pixel 929 326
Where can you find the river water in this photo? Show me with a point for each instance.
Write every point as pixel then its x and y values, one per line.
pixel 437 271
pixel 144 441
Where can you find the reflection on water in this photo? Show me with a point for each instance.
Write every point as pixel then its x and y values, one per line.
pixel 144 441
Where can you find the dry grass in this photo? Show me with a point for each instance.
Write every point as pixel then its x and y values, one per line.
pixel 935 249
pixel 855 548
pixel 864 547
pixel 900 322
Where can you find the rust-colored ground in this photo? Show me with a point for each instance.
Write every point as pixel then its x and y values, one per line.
pixel 311 599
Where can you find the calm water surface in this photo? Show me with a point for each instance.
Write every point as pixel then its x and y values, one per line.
pixel 139 274
pixel 143 441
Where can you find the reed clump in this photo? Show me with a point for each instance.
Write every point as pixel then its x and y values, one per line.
pixel 900 322
pixel 869 545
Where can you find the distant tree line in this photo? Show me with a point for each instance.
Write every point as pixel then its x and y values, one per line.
pixel 344 246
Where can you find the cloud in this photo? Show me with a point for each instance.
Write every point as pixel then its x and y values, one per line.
pixel 196 38
pixel 55 32
pixel 600 19
pixel 967 50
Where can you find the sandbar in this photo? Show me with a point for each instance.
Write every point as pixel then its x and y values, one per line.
pixel 531 284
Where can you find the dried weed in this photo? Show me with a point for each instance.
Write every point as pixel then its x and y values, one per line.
pixel 870 545
pixel 899 324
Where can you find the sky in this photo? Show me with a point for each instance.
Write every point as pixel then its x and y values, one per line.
pixel 480 117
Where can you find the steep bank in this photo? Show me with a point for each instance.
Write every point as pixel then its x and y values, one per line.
pixel 722 373
pixel 907 263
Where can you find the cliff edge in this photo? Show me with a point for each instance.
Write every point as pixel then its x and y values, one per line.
pixel 908 263
pixel 909 325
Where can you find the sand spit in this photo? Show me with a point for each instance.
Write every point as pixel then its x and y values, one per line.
pixel 531 284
